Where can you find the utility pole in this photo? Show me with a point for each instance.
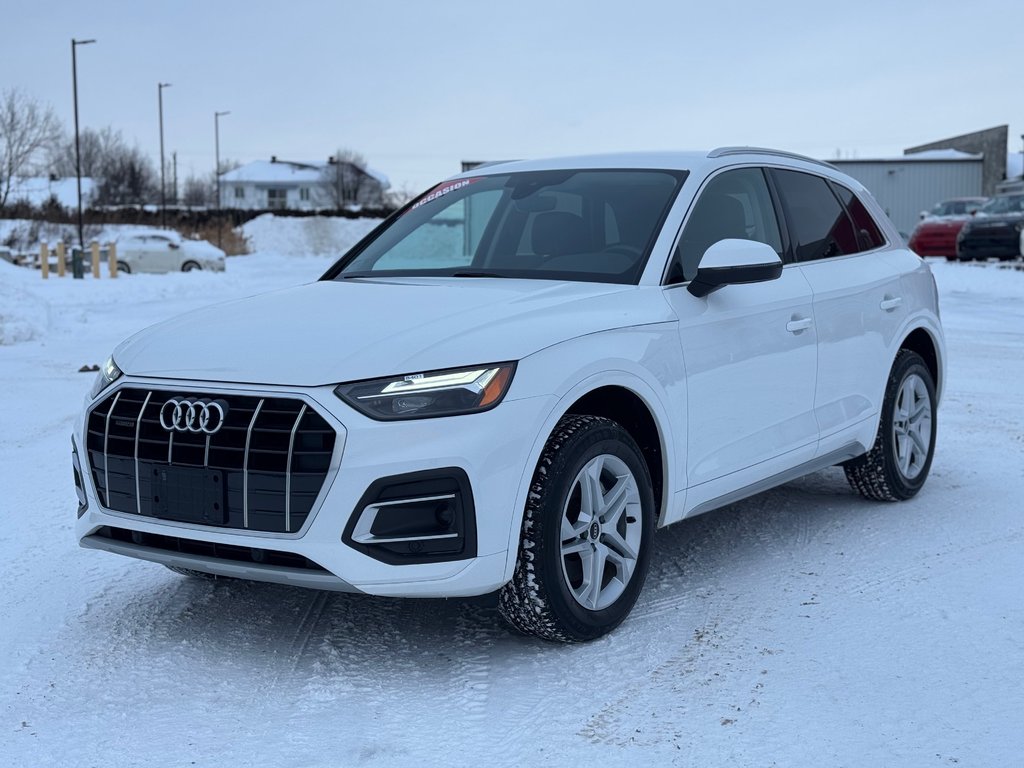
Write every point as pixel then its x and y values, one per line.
pixel 174 177
pixel 78 149
pixel 216 149
pixel 163 188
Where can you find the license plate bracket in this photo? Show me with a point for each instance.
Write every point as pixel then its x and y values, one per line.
pixel 188 494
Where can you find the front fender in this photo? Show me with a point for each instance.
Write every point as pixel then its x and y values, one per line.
pixel 644 360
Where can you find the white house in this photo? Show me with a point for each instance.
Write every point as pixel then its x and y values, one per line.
pixel 277 184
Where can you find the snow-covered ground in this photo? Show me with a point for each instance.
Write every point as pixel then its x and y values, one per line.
pixel 802 627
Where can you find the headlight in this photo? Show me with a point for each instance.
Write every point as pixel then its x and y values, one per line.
pixel 435 393
pixel 108 374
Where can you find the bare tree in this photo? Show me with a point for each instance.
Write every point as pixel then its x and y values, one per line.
pixel 199 190
pixel 128 177
pixel 345 178
pixel 27 130
pixel 123 173
pixel 97 148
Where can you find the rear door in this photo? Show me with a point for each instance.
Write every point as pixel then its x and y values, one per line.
pixel 858 301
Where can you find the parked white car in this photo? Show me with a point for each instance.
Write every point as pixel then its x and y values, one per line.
pixel 512 383
pixel 162 250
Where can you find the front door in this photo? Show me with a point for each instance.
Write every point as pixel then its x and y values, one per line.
pixel 749 350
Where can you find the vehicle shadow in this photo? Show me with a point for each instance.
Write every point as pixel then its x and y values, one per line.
pixel 297 629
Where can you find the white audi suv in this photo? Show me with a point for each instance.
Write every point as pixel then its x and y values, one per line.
pixel 511 383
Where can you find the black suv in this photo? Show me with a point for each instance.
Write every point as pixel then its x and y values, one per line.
pixel 994 231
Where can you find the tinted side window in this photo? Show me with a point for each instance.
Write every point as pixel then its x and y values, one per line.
pixel 734 204
pixel 868 234
pixel 818 225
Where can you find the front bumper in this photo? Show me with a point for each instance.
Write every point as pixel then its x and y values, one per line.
pixel 1004 243
pixel 491 448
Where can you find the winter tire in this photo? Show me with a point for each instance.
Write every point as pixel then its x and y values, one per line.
pixel 188 266
pixel 586 534
pixel 123 267
pixel 898 463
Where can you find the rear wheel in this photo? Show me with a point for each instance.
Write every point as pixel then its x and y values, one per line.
pixel 123 267
pixel 586 534
pixel 188 266
pixel 898 463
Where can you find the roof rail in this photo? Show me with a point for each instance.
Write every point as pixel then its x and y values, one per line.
pixel 724 151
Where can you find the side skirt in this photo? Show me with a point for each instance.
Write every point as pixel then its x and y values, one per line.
pixel 837 456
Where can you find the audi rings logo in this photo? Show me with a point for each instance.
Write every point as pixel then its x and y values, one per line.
pixel 184 415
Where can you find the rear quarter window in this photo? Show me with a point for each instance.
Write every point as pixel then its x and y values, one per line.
pixel 869 236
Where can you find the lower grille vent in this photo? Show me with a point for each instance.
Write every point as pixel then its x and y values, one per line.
pixel 209 549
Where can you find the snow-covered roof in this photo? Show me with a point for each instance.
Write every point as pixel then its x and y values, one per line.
pixel 287 172
pixel 942 154
pixel 928 156
pixel 276 171
pixel 37 190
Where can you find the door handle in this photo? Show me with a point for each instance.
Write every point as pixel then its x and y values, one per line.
pixel 798 324
pixel 889 303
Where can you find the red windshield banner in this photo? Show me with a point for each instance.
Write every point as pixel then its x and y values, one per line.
pixel 441 190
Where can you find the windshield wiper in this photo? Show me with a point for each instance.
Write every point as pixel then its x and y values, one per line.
pixel 476 273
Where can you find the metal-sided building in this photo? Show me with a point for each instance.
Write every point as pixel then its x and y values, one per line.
pixel 969 165
pixel 906 185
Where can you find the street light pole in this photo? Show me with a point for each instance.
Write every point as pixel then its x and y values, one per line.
pixel 78 149
pixel 163 188
pixel 216 148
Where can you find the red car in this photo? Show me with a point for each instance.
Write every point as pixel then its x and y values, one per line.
pixel 936 234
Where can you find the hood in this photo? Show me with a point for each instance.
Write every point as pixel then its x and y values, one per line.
pixel 334 331
pixel 985 219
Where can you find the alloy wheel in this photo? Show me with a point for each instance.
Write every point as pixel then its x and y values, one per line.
pixel 912 426
pixel 601 532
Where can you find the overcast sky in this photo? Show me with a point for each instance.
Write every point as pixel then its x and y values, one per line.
pixel 419 86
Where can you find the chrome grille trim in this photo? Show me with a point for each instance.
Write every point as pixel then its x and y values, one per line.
pixel 245 466
pixel 265 461
pixel 138 426
pixel 106 450
pixel 288 471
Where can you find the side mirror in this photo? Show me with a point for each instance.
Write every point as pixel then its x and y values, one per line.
pixel 735 262
pixel 923 214
pixel 173 246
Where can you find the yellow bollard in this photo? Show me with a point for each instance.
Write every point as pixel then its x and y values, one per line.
pixel 112 248
pixel 44 260
pixel 60 258
pixel 95 259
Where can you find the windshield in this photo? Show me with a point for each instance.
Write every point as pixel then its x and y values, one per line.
pixel 1003 204
pixel 589 225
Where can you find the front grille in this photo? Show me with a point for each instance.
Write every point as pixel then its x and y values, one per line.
pixel 261 471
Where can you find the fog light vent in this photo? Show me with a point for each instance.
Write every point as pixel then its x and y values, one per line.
pixel 76 466
pixel 416 518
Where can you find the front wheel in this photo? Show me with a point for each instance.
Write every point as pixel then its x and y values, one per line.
pixel 586 534
pixel 188 266
pixel 898 463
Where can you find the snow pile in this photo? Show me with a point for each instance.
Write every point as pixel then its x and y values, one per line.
pixel 303 236
pixel 23 316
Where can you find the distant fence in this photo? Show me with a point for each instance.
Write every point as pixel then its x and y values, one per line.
pixel 176 216
pixel 76 260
